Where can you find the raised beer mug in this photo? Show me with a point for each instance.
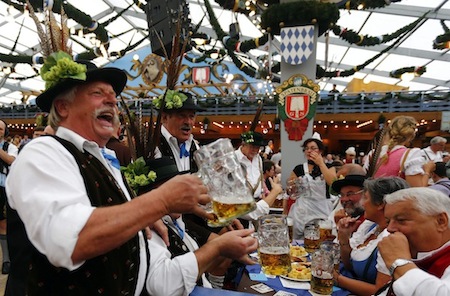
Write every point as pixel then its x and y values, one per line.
pixel 322 267
pixel 274 248
pixel 223 175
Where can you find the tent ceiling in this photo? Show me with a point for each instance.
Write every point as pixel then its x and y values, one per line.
pixel 415 50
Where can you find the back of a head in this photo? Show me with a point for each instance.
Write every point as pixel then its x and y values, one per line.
pixel 379 187
pixel 402 129
pixel 441 169
pixel 351 169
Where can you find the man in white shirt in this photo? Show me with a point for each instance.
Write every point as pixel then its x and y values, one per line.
pixel 434 151
pixel 417 252
pixel 80 219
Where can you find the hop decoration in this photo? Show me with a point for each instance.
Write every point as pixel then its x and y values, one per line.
pixel 173 99
pixel 138 174
pixel 59 66
pixel 247 137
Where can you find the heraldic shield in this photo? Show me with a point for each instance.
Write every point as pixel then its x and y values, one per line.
pixel 297 44
pixel 297 106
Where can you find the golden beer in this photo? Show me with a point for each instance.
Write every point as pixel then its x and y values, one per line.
pixel 323 284
pixel 311 244
pixel 275 261
pixel 227 212
pixel 325 234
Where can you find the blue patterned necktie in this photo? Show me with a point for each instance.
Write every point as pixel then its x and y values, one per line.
pixel 111 159
pixel 183 151
pixel 180 231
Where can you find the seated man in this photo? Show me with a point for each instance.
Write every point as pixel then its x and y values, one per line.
pixel 417 251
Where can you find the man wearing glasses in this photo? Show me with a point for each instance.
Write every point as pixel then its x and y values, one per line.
pixel 350 191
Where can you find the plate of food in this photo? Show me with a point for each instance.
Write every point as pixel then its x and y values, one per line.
pixel 298 253
pixel 299 273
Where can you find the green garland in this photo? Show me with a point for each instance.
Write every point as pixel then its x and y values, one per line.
pixel 299 13
pixel 418 71
pixel 368 4
pixel 353 37
pixel 442 41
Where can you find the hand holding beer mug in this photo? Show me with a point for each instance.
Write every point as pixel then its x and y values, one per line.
pixel 274 248
pixel 322 266
pixel 224 177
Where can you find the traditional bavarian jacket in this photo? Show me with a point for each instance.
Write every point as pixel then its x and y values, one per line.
pixel 113 273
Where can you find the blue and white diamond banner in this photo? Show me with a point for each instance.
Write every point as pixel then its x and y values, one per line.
pixel 297 44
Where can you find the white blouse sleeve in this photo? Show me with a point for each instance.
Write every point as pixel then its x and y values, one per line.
pixel 414 162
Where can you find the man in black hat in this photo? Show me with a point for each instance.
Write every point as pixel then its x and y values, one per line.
pixel 350 190
pixel 80 218
pixel 177 140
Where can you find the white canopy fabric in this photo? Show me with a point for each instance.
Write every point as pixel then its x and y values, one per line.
pixel 131 26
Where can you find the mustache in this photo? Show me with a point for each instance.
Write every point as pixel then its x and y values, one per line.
pixel 186 127
pixel 115 119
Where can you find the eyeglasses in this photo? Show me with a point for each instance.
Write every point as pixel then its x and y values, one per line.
pixel 351 193
pixel 310 148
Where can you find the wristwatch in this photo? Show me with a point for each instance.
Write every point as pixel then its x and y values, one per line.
pixel 398 263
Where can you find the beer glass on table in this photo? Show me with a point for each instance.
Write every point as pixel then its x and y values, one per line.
pixel 335 250
pixel 311 236
pixel 325 228
pixel 223 175
pixel 274 248
pixel 322 266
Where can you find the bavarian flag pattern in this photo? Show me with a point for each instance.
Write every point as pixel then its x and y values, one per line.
pixel 297 44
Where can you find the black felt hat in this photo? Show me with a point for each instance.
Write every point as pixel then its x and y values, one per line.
pixel 253 138
pixel 349 180
pixel 114 76
pixel 188 104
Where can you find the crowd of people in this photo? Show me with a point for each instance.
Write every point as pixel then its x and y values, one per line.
pixel 74 226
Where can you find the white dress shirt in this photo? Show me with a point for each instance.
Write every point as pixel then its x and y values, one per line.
pixel 253 170
pixel 46 188
pixel 183 163
pixel 429 154
pixel 175 276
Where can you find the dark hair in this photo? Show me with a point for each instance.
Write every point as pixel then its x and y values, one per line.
pixel 441 169
pixel 267 165
pixel 379 187
pixel 318 142
pixel 6 128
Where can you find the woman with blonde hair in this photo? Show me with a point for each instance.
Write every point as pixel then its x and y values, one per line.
pixel 396 159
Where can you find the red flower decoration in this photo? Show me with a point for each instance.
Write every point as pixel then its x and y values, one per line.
pixel 296 128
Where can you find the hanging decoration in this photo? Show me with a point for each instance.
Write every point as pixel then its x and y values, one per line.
pixel 297 100
pixel 417 71
pixel 306 12
pixel 297 44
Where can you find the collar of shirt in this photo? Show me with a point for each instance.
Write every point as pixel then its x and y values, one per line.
pixel 421 255
pixel 92 147
pixel 183 164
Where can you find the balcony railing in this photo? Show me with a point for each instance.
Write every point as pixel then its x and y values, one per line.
pixel 386 102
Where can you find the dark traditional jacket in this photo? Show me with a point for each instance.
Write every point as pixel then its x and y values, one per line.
pixel 165 149
pixel 113 273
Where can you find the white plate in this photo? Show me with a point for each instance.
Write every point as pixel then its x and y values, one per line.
pixel 295 280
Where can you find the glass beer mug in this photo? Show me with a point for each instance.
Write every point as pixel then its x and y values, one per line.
pixel 322 266
pixel 274 248
pixel 223 175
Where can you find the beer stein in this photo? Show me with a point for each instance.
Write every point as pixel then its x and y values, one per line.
pixel 325 228
pixel 311 236
pixel 298 187
pixel 274 248
pixel 322 266
pixel 223 175
pixel 335 250
pixel 290 223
